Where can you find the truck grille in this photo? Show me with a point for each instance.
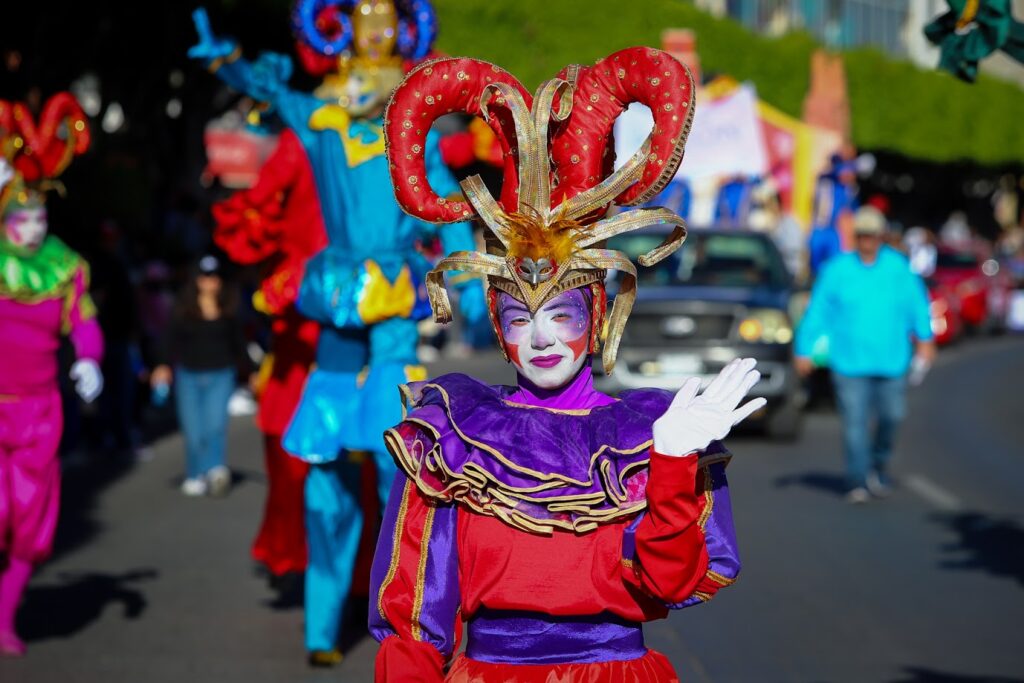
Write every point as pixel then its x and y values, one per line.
pixel 666 329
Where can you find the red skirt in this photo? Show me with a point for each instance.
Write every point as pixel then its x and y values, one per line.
pixel 653 667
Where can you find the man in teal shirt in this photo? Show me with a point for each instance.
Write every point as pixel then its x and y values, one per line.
pixel 874 311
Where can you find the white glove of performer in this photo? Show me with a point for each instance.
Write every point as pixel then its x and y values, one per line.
pixel 692 422
pixel 88 379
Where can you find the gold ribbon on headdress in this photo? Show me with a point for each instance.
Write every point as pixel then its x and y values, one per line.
pixel 554 99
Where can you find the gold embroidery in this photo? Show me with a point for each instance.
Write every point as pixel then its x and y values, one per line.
pixel 709 499
pixel 470 489
pixel 719 579
pixel 421 573
pixel 557 411
pixel 396 544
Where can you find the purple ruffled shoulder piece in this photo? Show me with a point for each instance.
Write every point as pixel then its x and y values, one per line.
pixel 535 468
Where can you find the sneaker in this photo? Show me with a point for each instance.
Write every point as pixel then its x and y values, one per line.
pixel 219 479
pixel 325 659
pixel 193 486
pixel 878 486
pixel 858 496
pixel 11 645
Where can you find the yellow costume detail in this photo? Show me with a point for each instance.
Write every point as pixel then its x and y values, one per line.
pixel 381 299
pixel 334 117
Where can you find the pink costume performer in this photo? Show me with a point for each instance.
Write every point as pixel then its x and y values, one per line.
pixel 43 295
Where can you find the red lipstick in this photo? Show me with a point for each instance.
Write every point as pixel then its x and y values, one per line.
pixel 546 361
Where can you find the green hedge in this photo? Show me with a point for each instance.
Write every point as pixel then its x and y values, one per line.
pixel 895 105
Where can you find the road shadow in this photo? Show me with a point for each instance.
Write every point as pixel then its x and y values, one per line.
pixel 289 589
pixel 63 609
pixel 355 627
pixel 82 485
pixel 916 674
pixel 984 543
pixel 826 482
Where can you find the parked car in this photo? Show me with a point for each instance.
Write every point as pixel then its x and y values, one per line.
pixel 723 295
pixel 981 284
pixel 944 307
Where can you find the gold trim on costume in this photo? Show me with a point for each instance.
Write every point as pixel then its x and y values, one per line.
pixel 545 476
pixel 421 574
pixel 719 578
pixel 709 500
pixel 395 548
pixel 483 492
pixel 557 411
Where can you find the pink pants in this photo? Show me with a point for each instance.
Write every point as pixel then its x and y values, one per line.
pixel 30 430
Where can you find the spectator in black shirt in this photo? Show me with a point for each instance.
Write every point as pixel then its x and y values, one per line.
pixel 206 346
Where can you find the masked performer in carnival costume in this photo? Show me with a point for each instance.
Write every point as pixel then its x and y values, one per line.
pixel 43 296
pixel 366 289
pixel 551 519
pixel 277 222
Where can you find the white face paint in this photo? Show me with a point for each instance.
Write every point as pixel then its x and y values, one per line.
pixel 549 347
pixel 26 228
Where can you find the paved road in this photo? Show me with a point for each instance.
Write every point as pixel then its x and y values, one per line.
pixel 928 586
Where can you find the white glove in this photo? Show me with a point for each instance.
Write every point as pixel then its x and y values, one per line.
pixel 692 422
pixel 6 173
pixel 88 379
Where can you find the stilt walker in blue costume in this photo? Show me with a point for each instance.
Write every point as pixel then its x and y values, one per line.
pixel 367 287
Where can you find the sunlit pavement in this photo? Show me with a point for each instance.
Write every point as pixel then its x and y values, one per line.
pixel 148 586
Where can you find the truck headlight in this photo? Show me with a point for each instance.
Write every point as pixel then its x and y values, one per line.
pixel 767 325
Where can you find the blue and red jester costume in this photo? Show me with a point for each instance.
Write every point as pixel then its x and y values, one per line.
pixel 550 519
pixel 366 288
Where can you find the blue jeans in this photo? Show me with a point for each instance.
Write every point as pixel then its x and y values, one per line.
pixel 202 399
pixel 861 399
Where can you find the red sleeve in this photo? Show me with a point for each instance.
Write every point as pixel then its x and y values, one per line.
pixel 249 222
pixel 401 659
pixel 415 582
pixel 671 555
pixel 281 170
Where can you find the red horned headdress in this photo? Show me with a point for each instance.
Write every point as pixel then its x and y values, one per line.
pixel 550 223
pixel 39 152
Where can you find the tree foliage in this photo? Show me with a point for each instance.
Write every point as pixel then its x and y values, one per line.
pixel 896 106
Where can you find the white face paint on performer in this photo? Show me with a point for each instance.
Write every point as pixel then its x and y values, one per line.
pixel 26 228
pixel 549 347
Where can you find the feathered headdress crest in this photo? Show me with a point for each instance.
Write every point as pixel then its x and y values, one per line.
pixel 549 225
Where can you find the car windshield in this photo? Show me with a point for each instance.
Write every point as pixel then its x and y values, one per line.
pixel 948 259
pixel 710 260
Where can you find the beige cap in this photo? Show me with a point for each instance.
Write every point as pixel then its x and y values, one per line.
pixel 869 221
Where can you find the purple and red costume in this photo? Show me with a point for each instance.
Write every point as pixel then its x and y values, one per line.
pixel 500 481
pixel 544 520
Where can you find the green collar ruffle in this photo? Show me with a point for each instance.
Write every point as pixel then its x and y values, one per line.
pixel 43 274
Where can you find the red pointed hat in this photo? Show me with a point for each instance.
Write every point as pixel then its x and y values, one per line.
pixel 549 223
pixel 40 151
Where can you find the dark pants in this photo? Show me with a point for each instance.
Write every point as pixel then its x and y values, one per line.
pixel 862 399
